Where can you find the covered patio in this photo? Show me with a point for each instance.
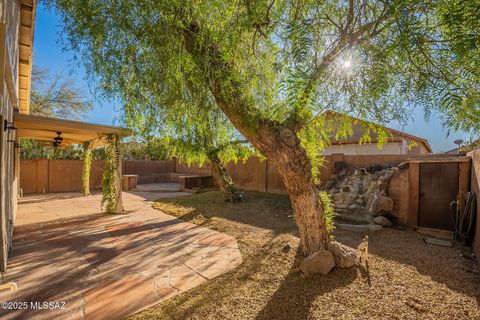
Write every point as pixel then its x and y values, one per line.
pixel 60 133
pixel 99 266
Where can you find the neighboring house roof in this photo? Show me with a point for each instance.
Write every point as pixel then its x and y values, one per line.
pixel 453 151
pixel 25 43
pixel 357 134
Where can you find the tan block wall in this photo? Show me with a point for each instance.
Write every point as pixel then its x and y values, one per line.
pixel 254 174
pixel 263 176
pixel 43 175
pixel 146 167
pixel 247 174
pixel 399 192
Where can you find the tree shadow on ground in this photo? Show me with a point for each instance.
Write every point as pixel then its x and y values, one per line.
pixel 274 213
pixel 261 210
pixel 268 281
pixel 296 294
pixel 452 267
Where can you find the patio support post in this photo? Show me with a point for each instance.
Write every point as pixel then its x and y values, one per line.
pixel 87 164
pixel 112 176
pixel 118 178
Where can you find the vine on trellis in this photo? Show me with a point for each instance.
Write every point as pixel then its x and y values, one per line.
pixel 110 180
pixel 87 164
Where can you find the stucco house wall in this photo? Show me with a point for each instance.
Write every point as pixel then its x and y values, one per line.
pixel 398 142
pixel 369 148
pixel 16 38
pixel 392 147
pixel 9 36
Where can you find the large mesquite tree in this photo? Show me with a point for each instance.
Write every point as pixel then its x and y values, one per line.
pixel 272 66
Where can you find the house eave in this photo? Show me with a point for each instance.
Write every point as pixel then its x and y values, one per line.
pixel 25 43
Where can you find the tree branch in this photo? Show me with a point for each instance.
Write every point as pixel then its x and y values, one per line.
pixel 347 38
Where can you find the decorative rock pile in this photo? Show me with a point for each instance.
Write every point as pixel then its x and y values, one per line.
pixel 360 196
pixel 323 261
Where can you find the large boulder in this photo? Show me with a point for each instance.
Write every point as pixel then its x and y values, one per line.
pixel 383 184
pixel 329 184
pixel 345 198
pixel 321 262
pixel 383 221
pixel 345 257
pixel 383 203
pixel 366 181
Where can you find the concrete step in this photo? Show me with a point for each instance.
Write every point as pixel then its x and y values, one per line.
pixel 359 227
pixel 158 187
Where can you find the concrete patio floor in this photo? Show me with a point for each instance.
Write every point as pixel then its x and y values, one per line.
pixel 106 266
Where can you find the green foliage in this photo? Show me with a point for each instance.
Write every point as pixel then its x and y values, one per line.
pixel 151 149
pixel 194 135
pixel 328 213
pixel 87 164
pixel 32 149
pixel 109 182
pixel 274 64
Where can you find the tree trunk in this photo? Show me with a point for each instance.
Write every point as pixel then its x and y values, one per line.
pixel 230 192
pixel 282 147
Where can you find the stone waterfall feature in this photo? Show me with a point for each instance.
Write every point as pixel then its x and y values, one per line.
pixel 360 196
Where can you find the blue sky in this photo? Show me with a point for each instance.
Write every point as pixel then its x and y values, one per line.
pixel 49 53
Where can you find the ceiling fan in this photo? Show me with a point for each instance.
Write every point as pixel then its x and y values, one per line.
pixel 57 140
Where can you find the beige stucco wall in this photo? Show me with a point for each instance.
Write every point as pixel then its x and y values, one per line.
pixel 9 18
pixel 419 149
pixel 393 147
pixel 369 148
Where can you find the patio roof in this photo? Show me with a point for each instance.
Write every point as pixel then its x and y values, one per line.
pixel 45 129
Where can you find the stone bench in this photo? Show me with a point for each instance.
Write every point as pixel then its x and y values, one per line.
pixel 195 182
pixel 129 181
pixel 169 177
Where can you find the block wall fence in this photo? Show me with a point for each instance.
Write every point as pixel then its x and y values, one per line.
pixel 43 175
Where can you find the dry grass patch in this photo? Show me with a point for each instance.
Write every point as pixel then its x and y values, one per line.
pixel 406 278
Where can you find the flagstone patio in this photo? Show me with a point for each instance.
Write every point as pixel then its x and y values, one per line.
pixel 106 266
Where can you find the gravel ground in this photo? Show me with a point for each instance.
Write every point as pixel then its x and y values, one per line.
pixel 404 279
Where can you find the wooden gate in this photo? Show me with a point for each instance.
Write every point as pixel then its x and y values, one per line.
pixel 438 188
